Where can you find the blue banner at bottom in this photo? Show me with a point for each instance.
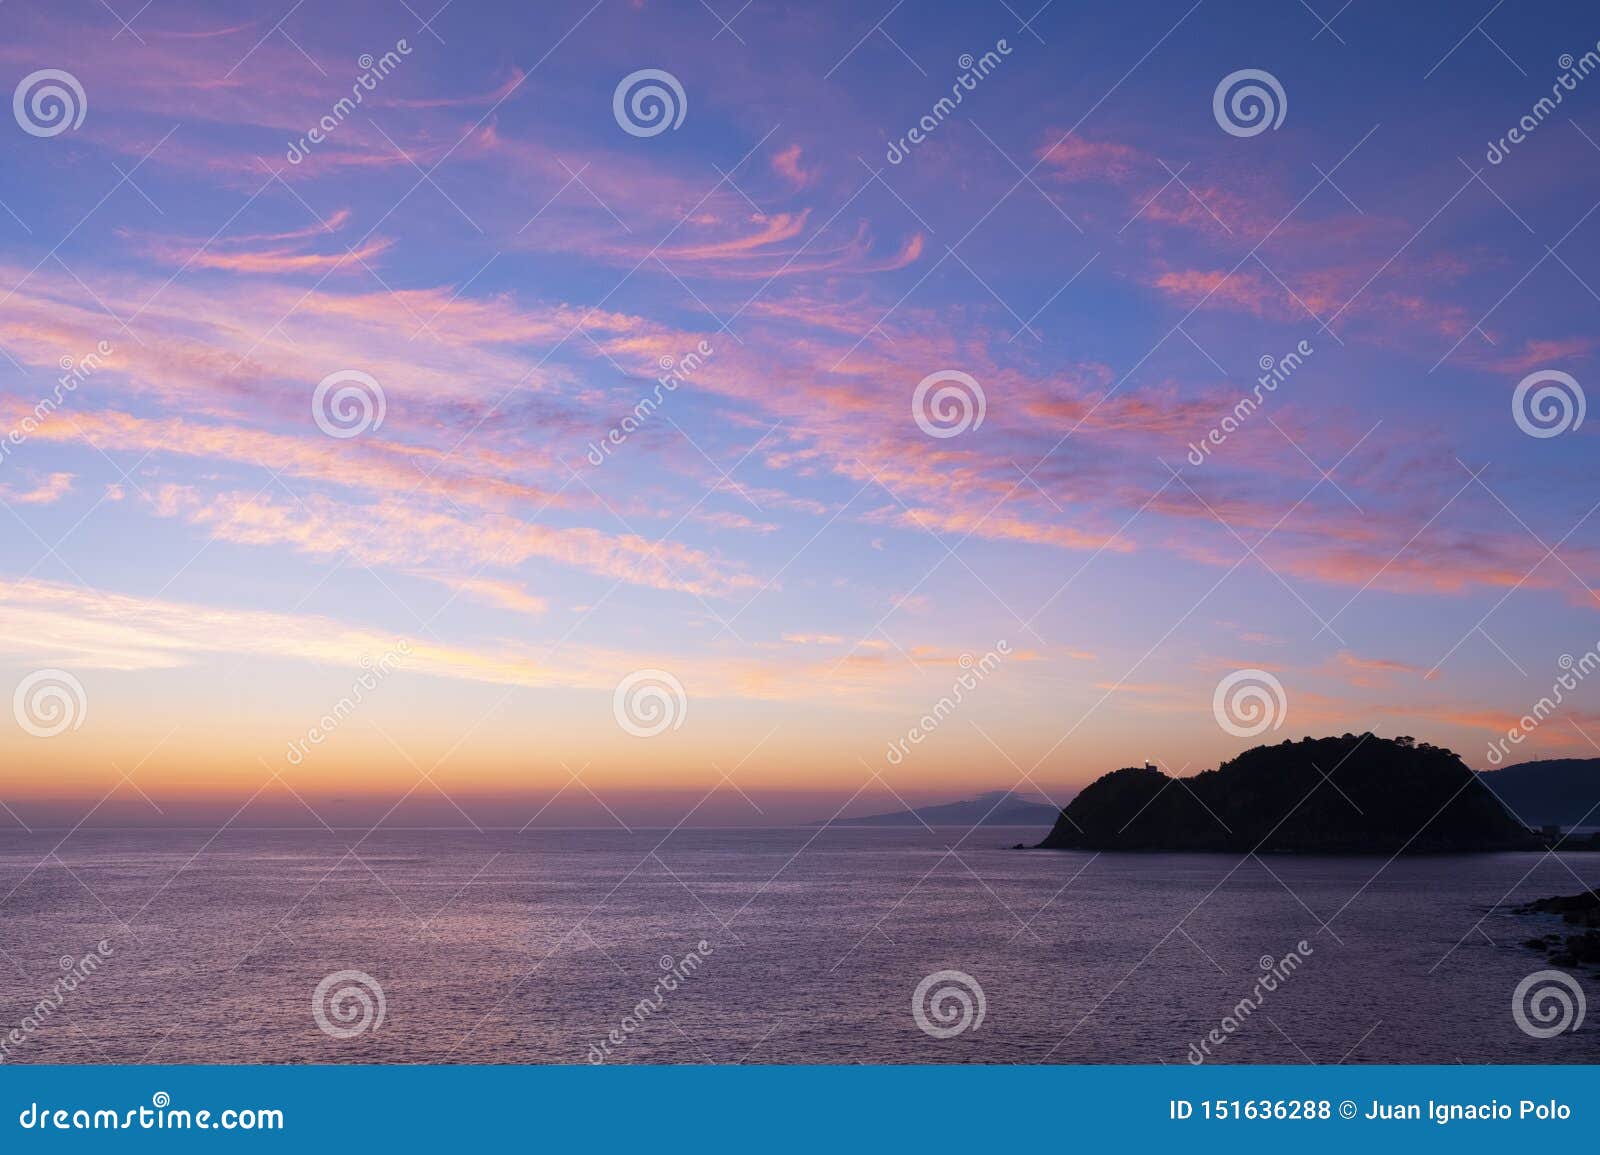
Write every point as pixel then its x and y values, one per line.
pixel 670 1109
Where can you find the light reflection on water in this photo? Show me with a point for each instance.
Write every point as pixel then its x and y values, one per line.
pixel 505 947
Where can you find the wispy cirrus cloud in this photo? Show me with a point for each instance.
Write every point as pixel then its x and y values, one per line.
pixel 47 491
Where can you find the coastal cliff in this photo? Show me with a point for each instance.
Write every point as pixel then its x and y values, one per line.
pixel 1355 794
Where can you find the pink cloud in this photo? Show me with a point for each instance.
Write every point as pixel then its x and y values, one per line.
pixel 51 490
pixel 1075 158
pixel 787 165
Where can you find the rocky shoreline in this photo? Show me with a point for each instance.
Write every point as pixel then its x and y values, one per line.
pixel 1576 910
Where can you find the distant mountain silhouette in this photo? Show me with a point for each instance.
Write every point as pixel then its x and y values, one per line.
pixel 994 808
pixel 1352 794
pixel 1561 791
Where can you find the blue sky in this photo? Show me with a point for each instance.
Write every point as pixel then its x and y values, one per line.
pixel 798 565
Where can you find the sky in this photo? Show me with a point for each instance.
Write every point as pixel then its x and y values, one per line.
pixel 641 412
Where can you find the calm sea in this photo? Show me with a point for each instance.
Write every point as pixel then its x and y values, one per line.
pixel 506 947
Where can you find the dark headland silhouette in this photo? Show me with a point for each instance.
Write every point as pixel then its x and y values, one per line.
pixel 1355 794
